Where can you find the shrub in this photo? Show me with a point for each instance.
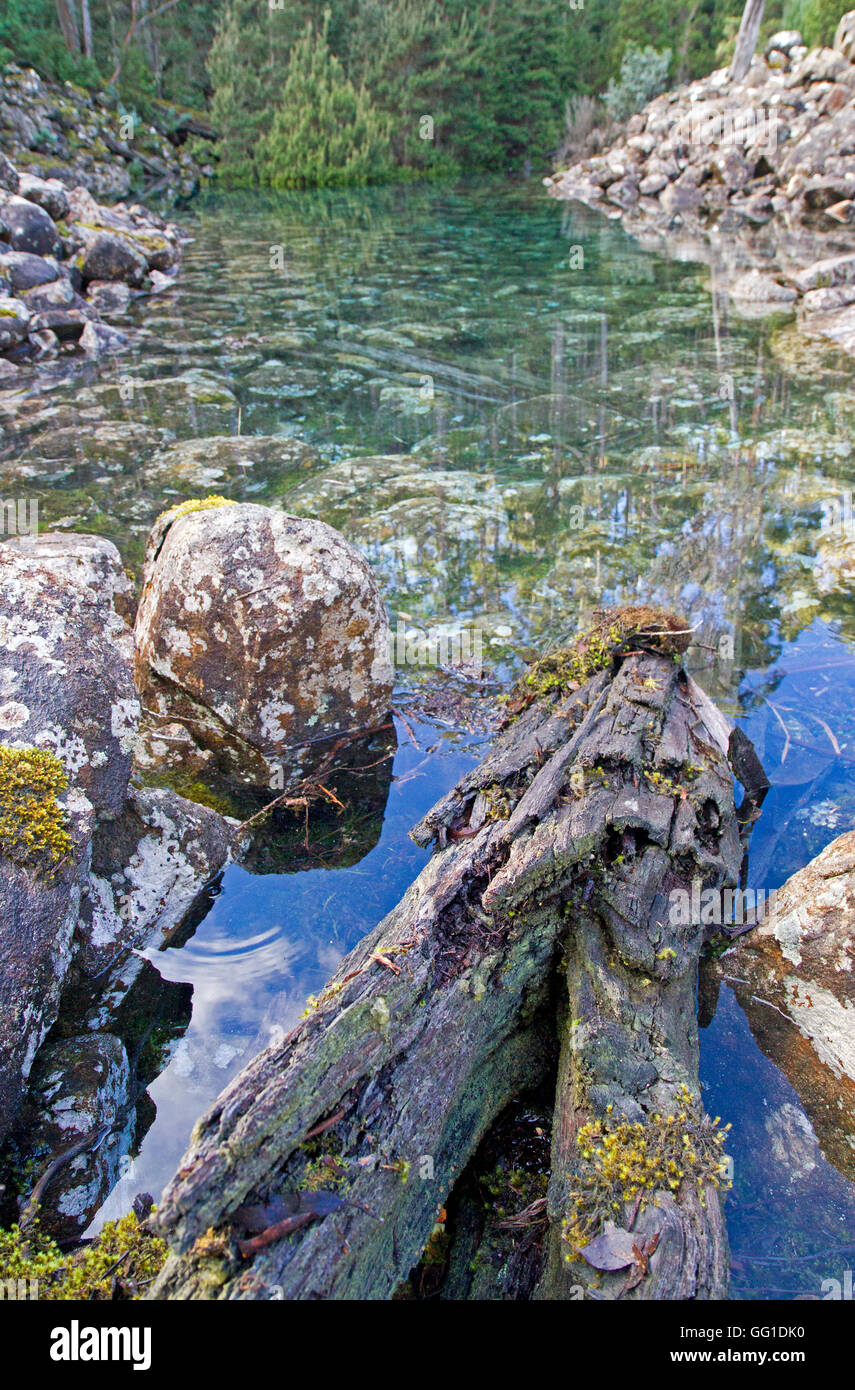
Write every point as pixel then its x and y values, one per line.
pixel 643 75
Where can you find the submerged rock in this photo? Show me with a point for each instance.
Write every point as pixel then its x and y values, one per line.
pixel 793 976
pixel 261 633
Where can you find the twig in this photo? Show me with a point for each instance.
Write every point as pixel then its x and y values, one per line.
pixel 324 1125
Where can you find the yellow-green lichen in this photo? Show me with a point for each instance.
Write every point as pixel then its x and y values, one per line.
pixel 194 504
pixel 124 1249
pixel 33 826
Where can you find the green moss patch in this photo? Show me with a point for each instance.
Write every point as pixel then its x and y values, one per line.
pixel 614 631
pixel 33 826
pixel 124 1249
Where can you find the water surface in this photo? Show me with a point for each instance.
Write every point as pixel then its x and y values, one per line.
pixel 546 419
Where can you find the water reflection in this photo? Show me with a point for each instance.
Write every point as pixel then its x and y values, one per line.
pixel 519 414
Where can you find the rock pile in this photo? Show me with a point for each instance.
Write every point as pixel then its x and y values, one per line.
pixel 67 264
pixel 762 169
pixel 61 131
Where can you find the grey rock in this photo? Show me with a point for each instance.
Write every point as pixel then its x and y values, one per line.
pixel 25 271
pixel 148 868
pixel 30 227
pixel 77 1085
pixel 108 256
pixel 50 194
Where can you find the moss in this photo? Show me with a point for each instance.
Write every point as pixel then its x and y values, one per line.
pixel 621 1161
pixel 323 1173
pixel 192 790
pixel 33 826
pixel 614 631
pixel 499 803
pixel 194 504
pixel 88 1273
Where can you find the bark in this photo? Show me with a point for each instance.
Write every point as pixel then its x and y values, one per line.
pixel 68 25
pixel 568 837
pixel 746 39
pixel 86 16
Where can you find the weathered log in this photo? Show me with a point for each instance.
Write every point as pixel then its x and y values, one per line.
pixel 596 804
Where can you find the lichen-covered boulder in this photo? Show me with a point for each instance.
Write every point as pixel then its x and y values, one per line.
pixel 66 680
pixel 148 868
pixel 49 194
pixel 45 835
pixel 25 270
pixel 79 1086
pixel 68 716
pixel 793 976
pixel 262 633
pixel 107 256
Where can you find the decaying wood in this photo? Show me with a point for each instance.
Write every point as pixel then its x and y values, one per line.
pixel 592 809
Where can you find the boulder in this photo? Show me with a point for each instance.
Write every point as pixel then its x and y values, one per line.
pixel 148 868
pixel 108 256
pixel 108 296
pixel 98 339
pixel 78 1086
pixel 14 322
pixel 50 194
pixel 844 38
pixel 66 682
pixel 30 227
pixel 793 976
pixel 68 715
pixel 262 633
pixel 25 271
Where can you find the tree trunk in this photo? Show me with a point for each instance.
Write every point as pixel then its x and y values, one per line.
pixel 86 15
pixel 593 808
pixel 68 25
pixel 746 39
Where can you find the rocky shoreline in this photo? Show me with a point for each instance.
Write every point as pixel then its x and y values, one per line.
pixel 755 178
pixel 63 132
pixel 69 267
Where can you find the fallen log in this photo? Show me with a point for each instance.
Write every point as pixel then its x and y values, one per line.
pixel 607 796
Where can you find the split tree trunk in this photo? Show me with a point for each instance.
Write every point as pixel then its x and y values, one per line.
pixel 571 838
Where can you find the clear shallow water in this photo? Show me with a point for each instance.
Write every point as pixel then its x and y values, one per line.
pixel 534 440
